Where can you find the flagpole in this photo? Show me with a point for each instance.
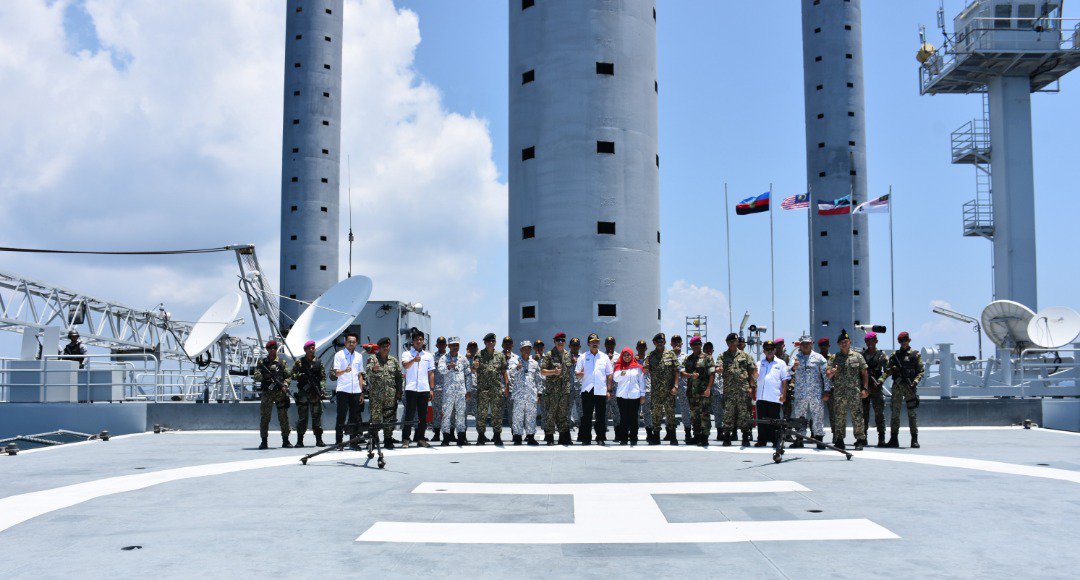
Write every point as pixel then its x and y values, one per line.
pixel 772 262
pixel 810 238
pixel 892 273
pixel 727 232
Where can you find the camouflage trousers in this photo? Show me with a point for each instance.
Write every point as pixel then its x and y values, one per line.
pixel 523 419
pixel 453 407
pixel 270 399
pixel 646 410
pixel 663 408
pixel 900 394
pixel 788 405
pixel 556 407
pixel 682 406
pixel 573 407
pixel 309 407
pixel 384 409
pixel 843 404
pixel 489 410
pixel 811 408
pixel 700 413
pixel 717 405
pixel 736 409
pixel 613 410
pixel 437 409
pixel 877 400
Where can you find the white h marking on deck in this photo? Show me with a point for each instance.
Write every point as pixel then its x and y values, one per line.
pixel 620 513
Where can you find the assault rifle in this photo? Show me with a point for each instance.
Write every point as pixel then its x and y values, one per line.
pixel 792 429
pixel 369 434
pixel 277 382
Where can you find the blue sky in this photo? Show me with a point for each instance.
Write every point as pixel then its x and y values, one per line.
pixel 173 123
pixel 731 110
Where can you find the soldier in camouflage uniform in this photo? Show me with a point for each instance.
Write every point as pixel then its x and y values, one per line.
pixel 698 369
pixel 272 377
pixel 717 400
pixel 384 377
pixel 789 395
pixel 437 391
pixel 557 369
pixel 512 359
pixel 575 386
pixel 811 385
pixel 491 386
pixel 310 376
pixel 470 380
pixel 662 366
pixel 525 392
pixel 646 413
pixel 847 371
pixel 682 405
pixel 740 379
pixel 612 403
pixel 452 367
pixel 906 369
pixel 876 369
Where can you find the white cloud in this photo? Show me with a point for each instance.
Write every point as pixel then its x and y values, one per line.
pixel 180 148
pixel 688 299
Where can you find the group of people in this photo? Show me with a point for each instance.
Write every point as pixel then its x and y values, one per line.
pixel 658 389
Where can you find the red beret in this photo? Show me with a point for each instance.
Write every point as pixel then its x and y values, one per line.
pixel 560 336
pixel 902 335
pixel 823 340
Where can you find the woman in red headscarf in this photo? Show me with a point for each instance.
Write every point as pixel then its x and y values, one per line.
pixel 629 380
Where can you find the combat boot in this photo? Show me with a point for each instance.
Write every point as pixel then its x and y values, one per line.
pixel 914 442
pixel 388 444
pixel 285 442
pixel 318 439
pixel 746 439
pixel 498 439
pixel 446 441
pixel 435 437
pixel 821 445
pixel 840 444
pixel 671 438
pixel 462 439
pixel 531 440
pixel 719 434
pixel 263 445
pixel 564 438
pixel 517 440
pixel 760 442
pixel 549 439
pixel 481 438
pixel 881 439
pixel 299 441
pixel 859 444
pixel 893 442
pixel 654 437
pixel 798 444
pixel 686 436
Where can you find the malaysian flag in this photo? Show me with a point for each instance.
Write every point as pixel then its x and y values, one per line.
pixel 800 201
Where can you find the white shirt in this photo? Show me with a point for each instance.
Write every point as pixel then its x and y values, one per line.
pixel 770 378
pixel 629 383
pixel 350 381
pixel 597 368
pixel 416 376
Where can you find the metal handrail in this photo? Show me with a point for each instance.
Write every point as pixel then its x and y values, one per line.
pixel 44 370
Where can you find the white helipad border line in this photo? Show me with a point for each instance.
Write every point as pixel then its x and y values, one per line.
pixel 19 508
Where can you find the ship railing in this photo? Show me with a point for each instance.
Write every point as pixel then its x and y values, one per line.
pixel 57 378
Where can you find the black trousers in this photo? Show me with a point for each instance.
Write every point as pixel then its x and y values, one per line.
pixel 415 407
pixel 593 404
pixel 768 410
pixel 349 406
pixel 627 429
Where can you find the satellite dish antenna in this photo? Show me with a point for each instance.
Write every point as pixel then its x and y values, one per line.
pixel 1006 323
pixel 212 324
pixel 330 314
pixel 1054 327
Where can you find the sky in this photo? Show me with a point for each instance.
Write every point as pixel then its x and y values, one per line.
pixel 137 124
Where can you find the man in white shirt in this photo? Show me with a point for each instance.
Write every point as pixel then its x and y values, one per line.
pixel 772 381
pixel 594 368
pixel 419 368
pixel 350 387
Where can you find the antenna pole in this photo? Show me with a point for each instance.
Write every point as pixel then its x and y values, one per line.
pixel 892 274
pixel 727 232
pixel 348 161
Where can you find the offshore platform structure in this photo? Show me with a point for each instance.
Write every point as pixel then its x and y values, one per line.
pixel 1004 49
pixel 310 153
pixel 584 239
pixel 836 164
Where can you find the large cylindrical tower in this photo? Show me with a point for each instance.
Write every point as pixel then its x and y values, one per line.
pixel 836 164
pixel 310 152
pixel 584 239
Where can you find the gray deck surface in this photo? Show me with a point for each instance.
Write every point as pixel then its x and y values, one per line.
pixel 303 521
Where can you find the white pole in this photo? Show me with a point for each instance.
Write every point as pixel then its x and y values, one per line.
pixel 727 232
pixel 772 262
pixel 892 273
pixel 810 251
